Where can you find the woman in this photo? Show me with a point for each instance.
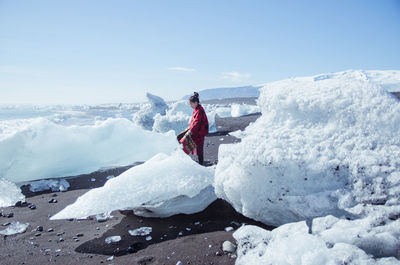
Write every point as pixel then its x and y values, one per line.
pixel 193 137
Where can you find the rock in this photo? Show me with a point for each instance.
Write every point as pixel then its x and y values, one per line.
pixel 38 234
pixel 53 201
pixel 179 263
pixel 20 204
pixel 54 195
pixel 10 215
pixel 60 233
pixel 130 250
pixel 39 228
pixel 50 230
pixel 61 239
pixel 228 246
pixel 79 235
pixel 5 224
pixel 32 207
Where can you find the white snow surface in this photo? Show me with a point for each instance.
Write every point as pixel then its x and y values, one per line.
pixel 44 149
pixel 293 244
pixel 323 144
pixel 14 228
pixel 163 186
pixel 9 193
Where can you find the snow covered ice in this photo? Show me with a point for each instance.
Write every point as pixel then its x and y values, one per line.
pixel 48 150
pixel 322 145
pixel 163 186
pixel 292 244
pixel 326 147
pixel 9 193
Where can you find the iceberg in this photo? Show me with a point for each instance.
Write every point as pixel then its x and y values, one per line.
pixel 163 186
pixel 145 116
pixel 48 150
pixel 10 194
pixel 323 145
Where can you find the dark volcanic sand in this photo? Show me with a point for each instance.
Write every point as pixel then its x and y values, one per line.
pixel 191 239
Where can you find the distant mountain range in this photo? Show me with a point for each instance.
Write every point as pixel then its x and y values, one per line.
pixel 388 79
pixel 228 92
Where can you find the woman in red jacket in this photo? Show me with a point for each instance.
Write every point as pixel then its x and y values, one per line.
pixel 193 137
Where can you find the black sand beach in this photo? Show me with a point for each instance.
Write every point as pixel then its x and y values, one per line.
pixel 191 239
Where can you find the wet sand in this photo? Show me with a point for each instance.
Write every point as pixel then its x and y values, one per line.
pixel 191 239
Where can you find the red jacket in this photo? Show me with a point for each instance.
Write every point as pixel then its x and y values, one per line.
pixel 199 125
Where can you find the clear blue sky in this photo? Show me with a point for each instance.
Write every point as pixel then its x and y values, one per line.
pixel 114 51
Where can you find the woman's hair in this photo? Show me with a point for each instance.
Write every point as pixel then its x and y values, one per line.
pixel 195 97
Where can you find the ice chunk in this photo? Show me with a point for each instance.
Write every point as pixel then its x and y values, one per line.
pixel 47 150
pixel 14 228
pixel 162 186
pixel 320 147
pixel 49 184
pixel 9 193
pixel 291 244
pixel 141 231
pixel 112 239
pixel 176 122
pixel 145 116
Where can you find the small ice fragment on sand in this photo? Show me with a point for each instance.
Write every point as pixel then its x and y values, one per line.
pixel 112 239
pixel 221 139
pixel 141 231
pixel 229 228
pixel 228 246
pixel 14 228
pixel 110 258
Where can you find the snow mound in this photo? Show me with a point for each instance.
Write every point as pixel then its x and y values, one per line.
pixel 9 193
pixel 14 228
pixel 163 186
pixel 321 146
pixel 292 244
pixel 145 116
pixel 48 150
pixel 49 184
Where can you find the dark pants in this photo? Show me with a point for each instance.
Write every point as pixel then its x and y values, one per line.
pixel 200 154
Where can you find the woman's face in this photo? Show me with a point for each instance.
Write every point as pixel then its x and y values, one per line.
pixel 193 104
